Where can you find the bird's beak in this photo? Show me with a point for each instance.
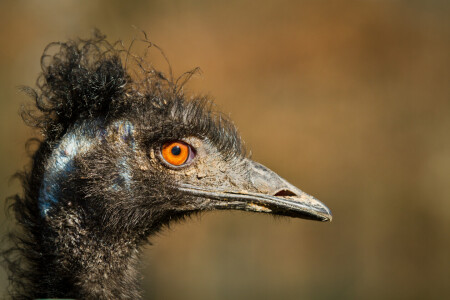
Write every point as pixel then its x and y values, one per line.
pixel 262 191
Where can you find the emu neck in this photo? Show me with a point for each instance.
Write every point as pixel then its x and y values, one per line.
pixel 81 258
pixel 60 164
pixel 83 262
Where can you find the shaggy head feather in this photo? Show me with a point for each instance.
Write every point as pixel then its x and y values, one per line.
pixel 99 186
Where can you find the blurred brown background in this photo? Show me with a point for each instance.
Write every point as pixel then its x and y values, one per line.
pixel 349 100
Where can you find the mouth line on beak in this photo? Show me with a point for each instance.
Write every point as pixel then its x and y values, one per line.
pixel 303 206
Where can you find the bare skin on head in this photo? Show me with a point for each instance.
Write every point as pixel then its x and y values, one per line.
pixel 121 158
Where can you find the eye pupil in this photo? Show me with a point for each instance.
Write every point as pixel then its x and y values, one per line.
pixel 176 150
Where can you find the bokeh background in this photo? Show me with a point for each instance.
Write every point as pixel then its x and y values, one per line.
pixel 349 100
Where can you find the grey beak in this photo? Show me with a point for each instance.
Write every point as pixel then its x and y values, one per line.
pixel 263 191
pixel 282 198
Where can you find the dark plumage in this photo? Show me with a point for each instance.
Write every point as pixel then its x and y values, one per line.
pixel 99 185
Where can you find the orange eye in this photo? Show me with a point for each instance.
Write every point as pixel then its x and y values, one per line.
pixel 176 153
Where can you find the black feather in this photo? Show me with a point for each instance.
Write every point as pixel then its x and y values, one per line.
pixel 83 80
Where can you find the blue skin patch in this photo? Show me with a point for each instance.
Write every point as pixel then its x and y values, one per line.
pixel 124 179
pixel 78 142
pixel 126 130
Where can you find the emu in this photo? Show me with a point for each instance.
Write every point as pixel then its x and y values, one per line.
pixel 123 154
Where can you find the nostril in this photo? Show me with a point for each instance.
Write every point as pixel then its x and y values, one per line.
pixel 284 193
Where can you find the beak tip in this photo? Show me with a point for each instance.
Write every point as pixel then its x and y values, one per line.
pixel 328 216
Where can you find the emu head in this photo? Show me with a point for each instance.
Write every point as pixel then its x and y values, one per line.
pixel 132 157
